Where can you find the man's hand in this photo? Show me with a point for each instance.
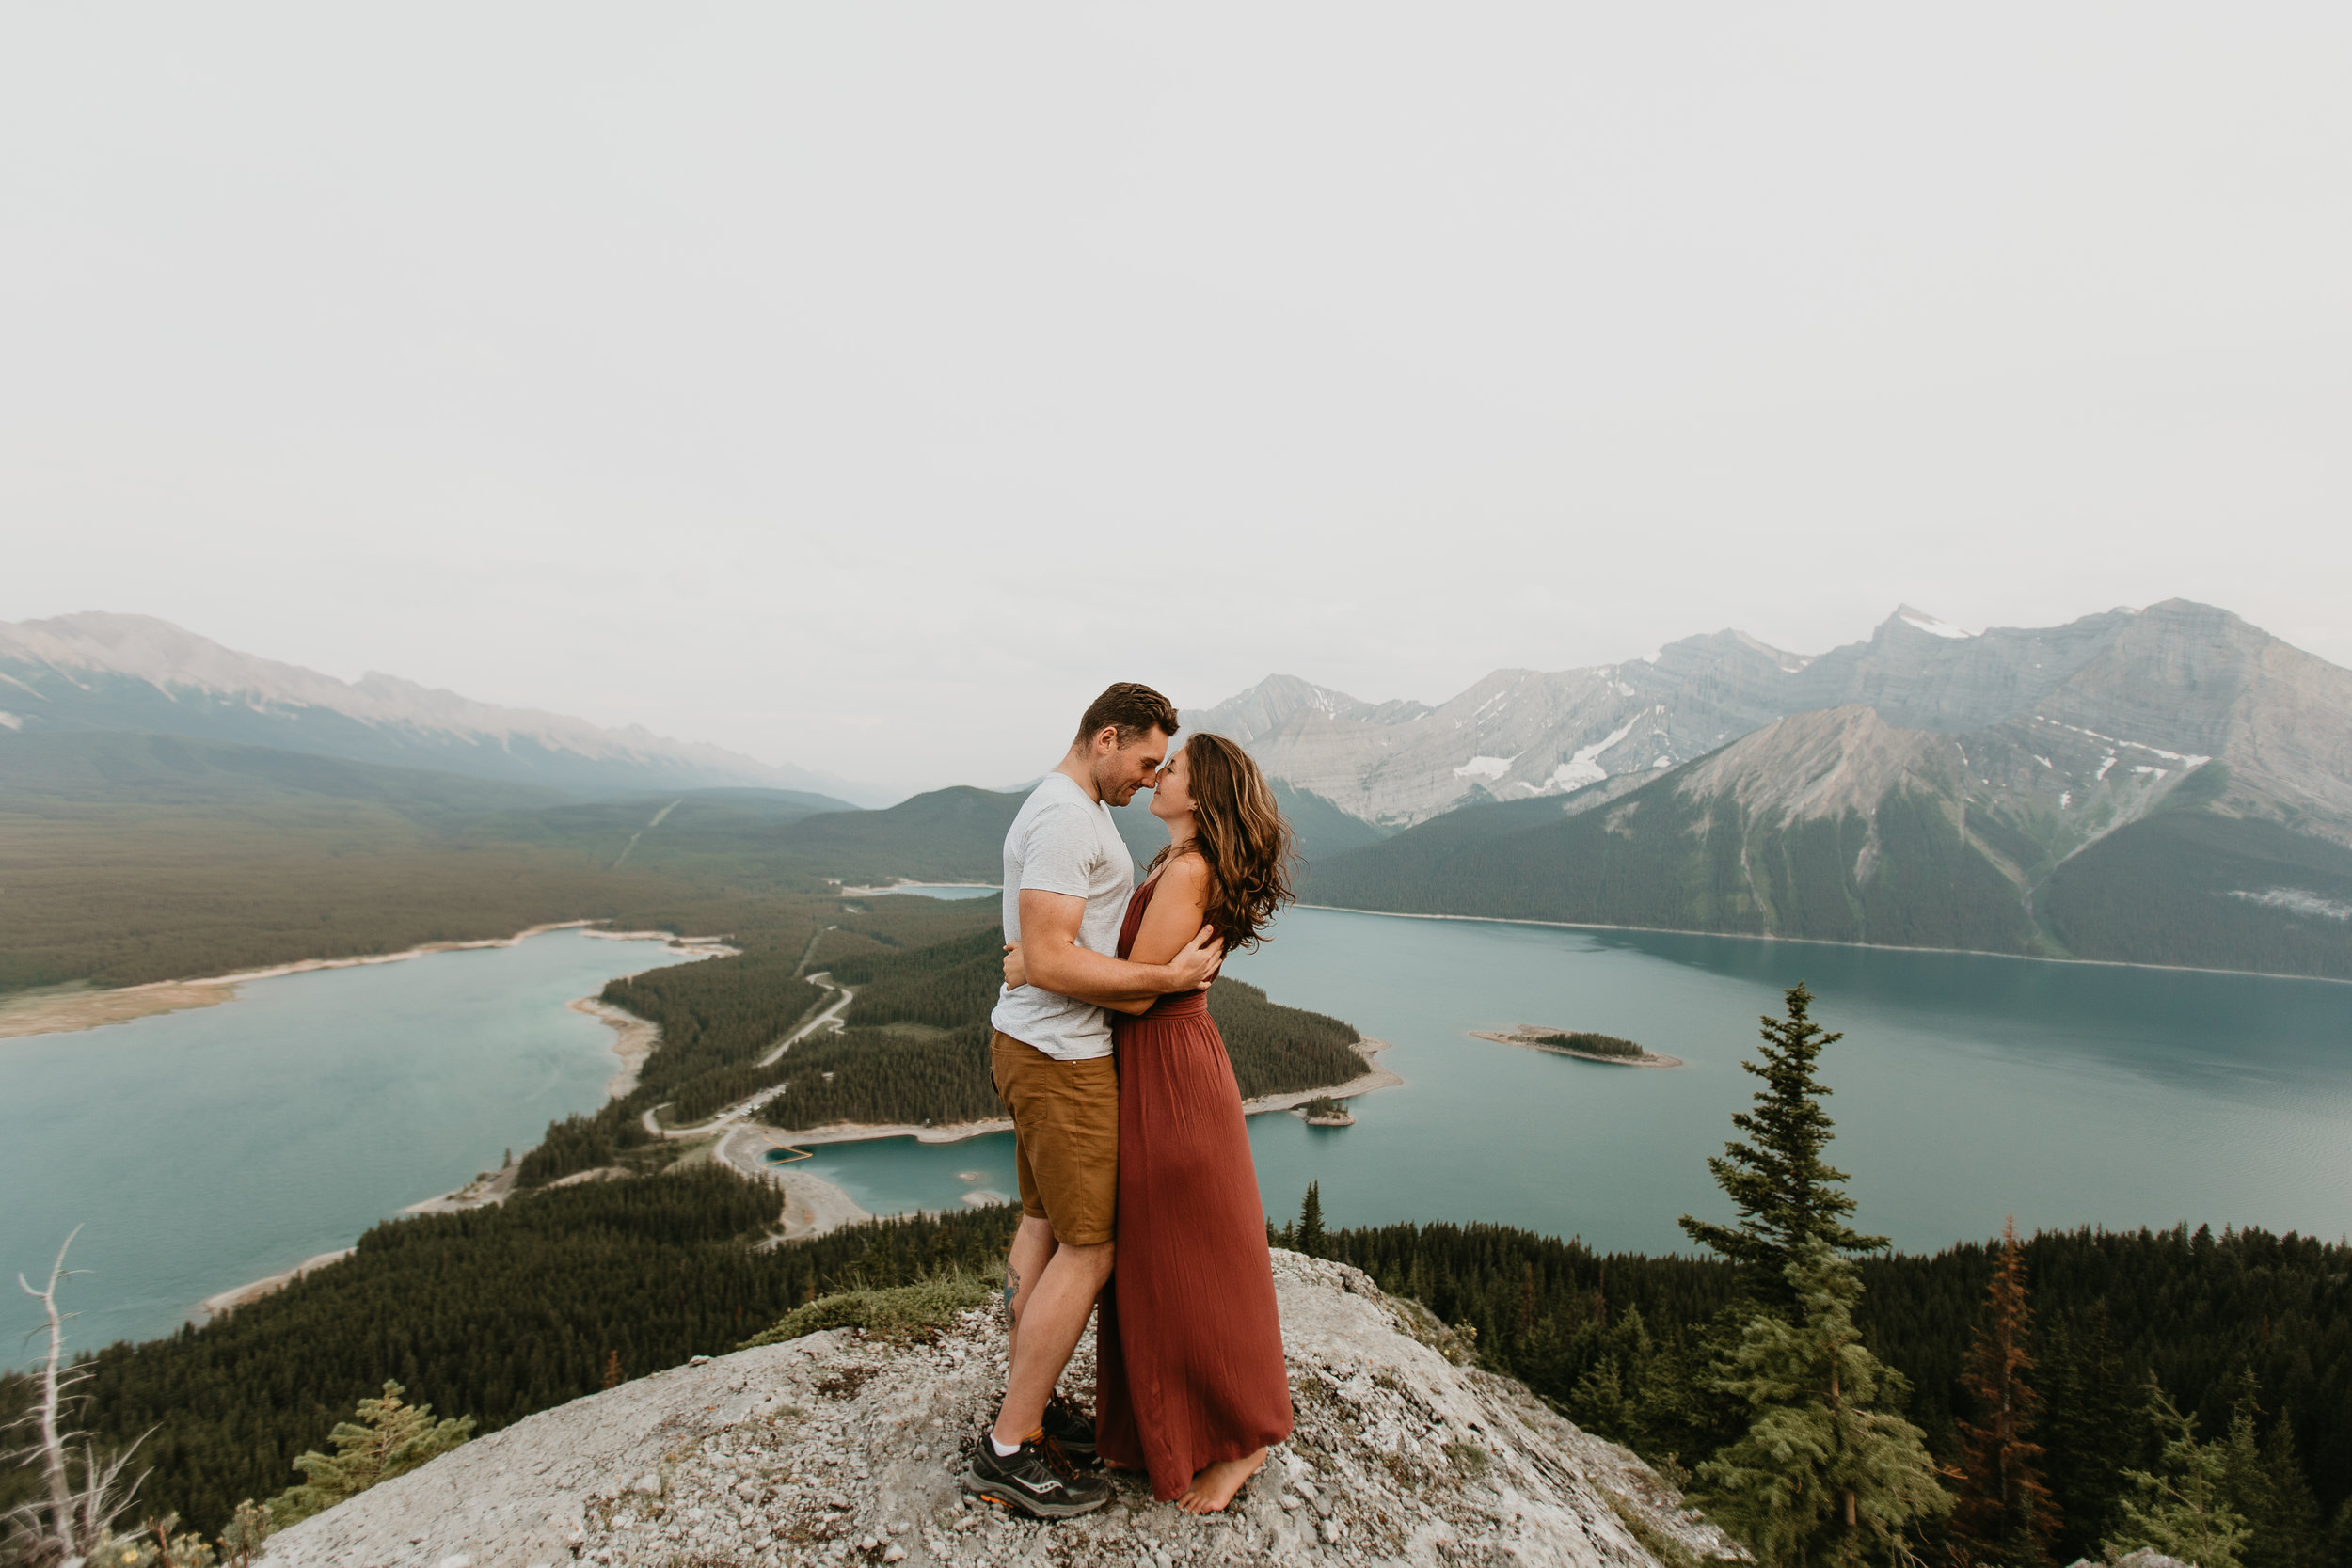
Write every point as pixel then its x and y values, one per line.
pixel 1195 967
pixel 1016 970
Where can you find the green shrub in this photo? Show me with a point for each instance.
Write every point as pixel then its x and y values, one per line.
pixel 904 1313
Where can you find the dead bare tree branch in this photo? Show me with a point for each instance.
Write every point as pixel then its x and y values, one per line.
pixel 80 1510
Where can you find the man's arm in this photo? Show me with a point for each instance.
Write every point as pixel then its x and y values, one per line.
pixel 1056 962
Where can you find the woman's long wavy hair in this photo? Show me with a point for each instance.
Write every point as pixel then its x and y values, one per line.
pixel 1240 834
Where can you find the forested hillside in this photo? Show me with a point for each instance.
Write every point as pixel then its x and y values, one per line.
pixel 1621 1341
pixel 1865 834
pixel 136 858
pixel 494 1313
pixel 916 1051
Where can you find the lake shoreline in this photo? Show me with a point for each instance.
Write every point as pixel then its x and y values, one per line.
pixel 1374 1077
pixel 1825 941
pixel 71 1009
pixel 634 1039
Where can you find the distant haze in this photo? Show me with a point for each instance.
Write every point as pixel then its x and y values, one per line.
pixel 861 388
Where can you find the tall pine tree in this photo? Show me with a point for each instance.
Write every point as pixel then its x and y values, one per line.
pixel 1825 1474
pixel 2004 1513
pixel 1788 1195
pixel 2091 1401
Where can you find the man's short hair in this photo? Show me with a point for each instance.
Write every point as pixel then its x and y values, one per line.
pixel 1133 710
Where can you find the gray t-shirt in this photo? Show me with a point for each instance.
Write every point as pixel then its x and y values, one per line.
pixel 1062 842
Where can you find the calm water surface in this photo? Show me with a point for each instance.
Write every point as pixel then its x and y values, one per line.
pixel 1966 1087
pixel 206 1148
pixel 202 1149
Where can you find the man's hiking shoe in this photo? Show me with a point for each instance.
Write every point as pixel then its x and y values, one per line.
pixel 1030 1480
pixel 1071 1429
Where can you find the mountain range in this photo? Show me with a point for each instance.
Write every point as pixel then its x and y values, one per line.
pixel 98 671
pixel 1523 733
pixel 2169 785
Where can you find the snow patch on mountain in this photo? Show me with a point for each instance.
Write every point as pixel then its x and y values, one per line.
pixel 1932 626
pixel 1484 768
pixel 1585 766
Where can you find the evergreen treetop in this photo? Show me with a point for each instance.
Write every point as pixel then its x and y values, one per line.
pixel 1787 1194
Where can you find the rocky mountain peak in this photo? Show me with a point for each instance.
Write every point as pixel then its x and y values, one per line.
pixel 1277 700
pixel 842 1448
pixel 1907 619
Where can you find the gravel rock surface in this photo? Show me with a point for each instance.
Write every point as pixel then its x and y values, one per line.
pixel 837 1450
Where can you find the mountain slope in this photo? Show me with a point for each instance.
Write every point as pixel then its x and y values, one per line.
pixel 1515 733
pixel 948 835
pixel 99 672
pixel 2030 837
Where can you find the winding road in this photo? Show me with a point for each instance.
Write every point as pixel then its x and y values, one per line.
pixel 827 1019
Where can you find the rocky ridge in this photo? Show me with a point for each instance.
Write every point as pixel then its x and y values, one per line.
pixel 838 1448
pixel 2124 697
pixel 97 671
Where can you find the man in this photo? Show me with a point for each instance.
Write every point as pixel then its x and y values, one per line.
pixel 1067 878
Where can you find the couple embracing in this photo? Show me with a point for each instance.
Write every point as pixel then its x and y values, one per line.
pixel 1137 1192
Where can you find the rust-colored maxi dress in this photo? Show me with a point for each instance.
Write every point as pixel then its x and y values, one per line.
pixel 1189 1346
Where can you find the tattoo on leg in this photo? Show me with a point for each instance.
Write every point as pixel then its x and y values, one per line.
pixel 1012 1285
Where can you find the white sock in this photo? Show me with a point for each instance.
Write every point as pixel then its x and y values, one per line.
pixel 999 1449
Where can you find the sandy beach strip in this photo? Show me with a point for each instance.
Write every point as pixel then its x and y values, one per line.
pixel 63 1009
pixel 812 1206
pixel 229 1300
pixel 633 1039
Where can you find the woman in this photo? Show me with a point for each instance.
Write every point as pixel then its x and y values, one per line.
pixel 1189 1379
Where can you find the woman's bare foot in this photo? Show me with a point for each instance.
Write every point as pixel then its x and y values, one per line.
pixel 1213 1487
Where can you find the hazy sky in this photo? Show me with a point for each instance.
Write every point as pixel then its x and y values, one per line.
pixel 865 386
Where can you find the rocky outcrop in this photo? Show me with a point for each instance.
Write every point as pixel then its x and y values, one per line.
pixel 839 1449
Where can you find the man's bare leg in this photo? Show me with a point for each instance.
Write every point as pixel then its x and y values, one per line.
pixel 1051 1314
pixel 1213 1487
pixel 1033 1247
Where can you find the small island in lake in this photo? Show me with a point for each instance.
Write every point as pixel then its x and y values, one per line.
pixel 1324 1111
pixel 1570 1042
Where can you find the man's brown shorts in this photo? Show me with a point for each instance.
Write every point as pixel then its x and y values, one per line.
pixel 1065 1137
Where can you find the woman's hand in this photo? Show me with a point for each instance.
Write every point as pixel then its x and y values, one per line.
pixel 1016 971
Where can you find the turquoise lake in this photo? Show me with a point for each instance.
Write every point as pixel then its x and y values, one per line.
pixel 199 1150
pixel 206 1148
pixel 1966 1089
